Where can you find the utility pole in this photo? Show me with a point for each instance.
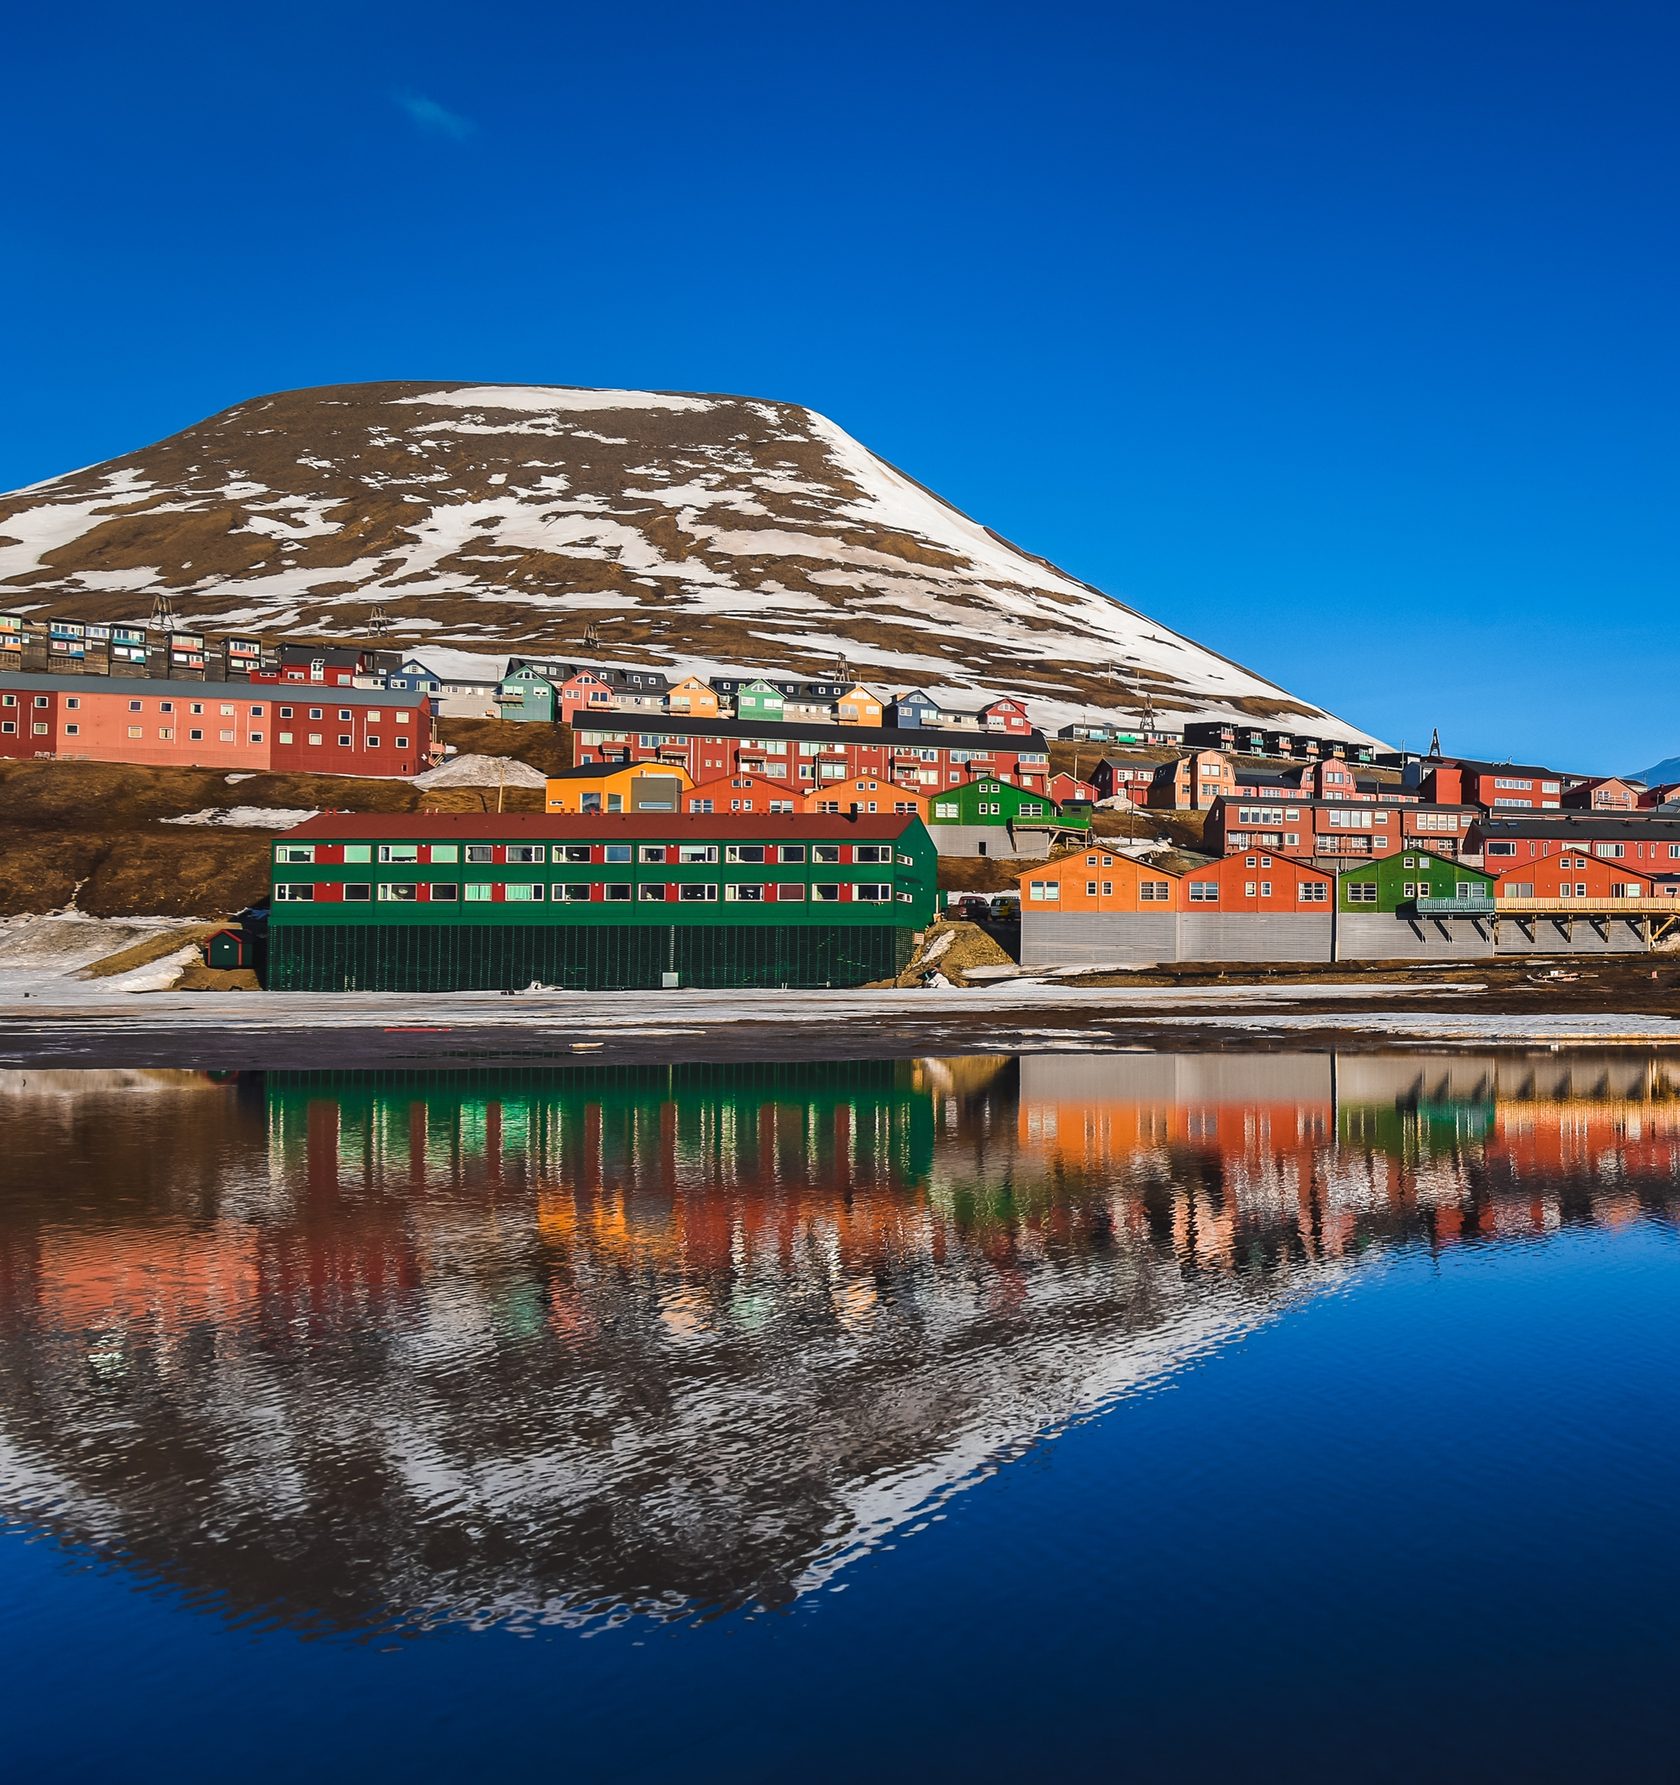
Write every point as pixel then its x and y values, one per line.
pixel 163 612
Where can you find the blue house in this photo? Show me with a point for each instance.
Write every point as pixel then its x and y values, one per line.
pixel 912 711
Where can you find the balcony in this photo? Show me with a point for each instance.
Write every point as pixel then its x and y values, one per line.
pixel 1467 905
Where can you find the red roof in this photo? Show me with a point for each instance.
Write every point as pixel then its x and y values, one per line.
pixel 495 827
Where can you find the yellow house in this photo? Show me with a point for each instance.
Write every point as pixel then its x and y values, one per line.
pixel 693 698
pixel 619 787
pixel 858 706
pixel 869 795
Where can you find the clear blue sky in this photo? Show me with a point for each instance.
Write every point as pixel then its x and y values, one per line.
pixel 1340 335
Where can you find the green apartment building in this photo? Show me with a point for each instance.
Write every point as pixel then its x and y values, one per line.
pixel 1395 883
pixel 421 902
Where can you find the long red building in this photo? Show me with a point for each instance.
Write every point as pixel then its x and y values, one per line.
pixel 803 757
pixel 217 725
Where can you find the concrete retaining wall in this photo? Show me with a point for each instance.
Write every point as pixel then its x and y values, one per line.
pixel 995 840
pixel 1097 938
pixel 1381 936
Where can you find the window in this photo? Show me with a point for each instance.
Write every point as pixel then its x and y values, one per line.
pixel 871 893
pixel 40 728
pixel 1313 892
pixel 357 892
pixel 477 892
pixel 617 852
pixel 651 852
pixel 1154 892
pixel 523 892
pixel 444 892
pixel 573 892
pixel 825 852
pixel 195 737
pixel 744 852
pixel 399 852
pixel 1502 849
pixel 294 852
pixel 1204 892
pixel 792 852
pixel 696 852
pixel 399 892
pixel 315 712
pixel 285 737
pixel 1251 862
pixel 316 739
pixel 872 852
pixel 72 701
pixel 1090 889
pixel 1467 889
pixel 290 894
pixel 744 893
pixel 164 706
pixel 257 738
pixel 527 852
pixel 697 892
pixel 400 718
pixel 790 890
pixel 344 715
pixel 399 743
pixel 1409 890
pixel 480 852
pixel 135 731
pixel 1362 892
pixel 1608 849
pixel 257 713
pixel 1250 888
pixel 617 892
pixel 1046 892
pixel 226 737
pixel 825 893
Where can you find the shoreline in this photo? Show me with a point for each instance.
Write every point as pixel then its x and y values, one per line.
pixel 67 1024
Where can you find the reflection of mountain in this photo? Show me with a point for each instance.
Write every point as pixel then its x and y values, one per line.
pixel 356 1350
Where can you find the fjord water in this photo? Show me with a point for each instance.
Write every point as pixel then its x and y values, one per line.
pixel 1172 1416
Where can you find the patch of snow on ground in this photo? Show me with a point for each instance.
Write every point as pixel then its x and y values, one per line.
pixel 271 818
pixel 482 771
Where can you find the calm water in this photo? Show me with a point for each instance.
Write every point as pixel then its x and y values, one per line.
pixel 1125 1415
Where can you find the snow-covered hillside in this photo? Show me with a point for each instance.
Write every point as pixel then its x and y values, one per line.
pixel 702 532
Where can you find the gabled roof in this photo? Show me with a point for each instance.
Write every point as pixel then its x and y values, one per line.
pixel 1474 766
pixel 603 827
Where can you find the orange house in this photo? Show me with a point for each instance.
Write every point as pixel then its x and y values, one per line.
pixel 618 787
pixel 1271 885
pixel 1098 880
pixel 858 706
pixel 1193 782
pixel 691 696
pixel 1573 875
pixel 866 793
pixel 742 793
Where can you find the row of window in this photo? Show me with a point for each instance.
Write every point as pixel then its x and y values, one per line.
pixel 535 854
pixel 1606 851
pixel 224 710
pixel 576 892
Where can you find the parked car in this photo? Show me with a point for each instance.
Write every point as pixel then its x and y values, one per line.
pixel 974 909
pixel 1006 908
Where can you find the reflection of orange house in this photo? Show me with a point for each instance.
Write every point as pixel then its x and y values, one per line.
pixel 168 1279
pixel 1098 880
pixel 741 793
pixel 866 793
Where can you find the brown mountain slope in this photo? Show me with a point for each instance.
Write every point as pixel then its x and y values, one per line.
pixel 712 531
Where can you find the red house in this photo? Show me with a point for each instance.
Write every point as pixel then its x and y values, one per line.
pixel 1572 875
pixel 1124 776
pixel 1064 787
pixel 741 793
pixel 1645 842
pixel 1257 881
pixel 1006 715
pixel 1609 793
pixel 1334 829
pixel 585 692
pixel 1497 786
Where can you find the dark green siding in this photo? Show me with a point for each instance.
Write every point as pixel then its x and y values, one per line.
pixel 437 957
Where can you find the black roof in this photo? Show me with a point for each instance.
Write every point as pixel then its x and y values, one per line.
pixel 1586 824
pixel 676 724
pixel 1478 767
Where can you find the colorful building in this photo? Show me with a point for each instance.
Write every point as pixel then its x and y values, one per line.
pixel 995 818
pixel 421 902
pixel 626 787
pixel 742 793
pixel 229 725
pixel 806 756
pixel 1497 786
pixel 692 698
pixel 859 706
pixel 527 696
pixel 584 691
pixel 1334 830
pixel 1647 842
pixel 1191 783
pixel 867 794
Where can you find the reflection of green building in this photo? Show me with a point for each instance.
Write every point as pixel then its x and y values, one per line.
pixel 653 1127
pixel 1412 1132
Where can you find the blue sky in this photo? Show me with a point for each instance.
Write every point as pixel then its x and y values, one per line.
pixel 1338 335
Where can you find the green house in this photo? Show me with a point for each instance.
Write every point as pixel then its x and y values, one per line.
pixel 761 700
pixel 1396 883
pixel 418 902
pixel 527 696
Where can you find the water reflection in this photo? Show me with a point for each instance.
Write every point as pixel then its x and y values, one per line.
pixel 356 1353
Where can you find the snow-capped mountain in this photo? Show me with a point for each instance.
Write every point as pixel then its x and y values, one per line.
pixel 706 532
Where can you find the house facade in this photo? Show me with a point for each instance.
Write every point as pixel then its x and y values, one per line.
pixel 231 725
pixel 1192 782
pixel 420 902
pixel 989 817
pixel 621 787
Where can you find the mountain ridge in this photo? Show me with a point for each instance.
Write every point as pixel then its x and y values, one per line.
pixel 694 530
